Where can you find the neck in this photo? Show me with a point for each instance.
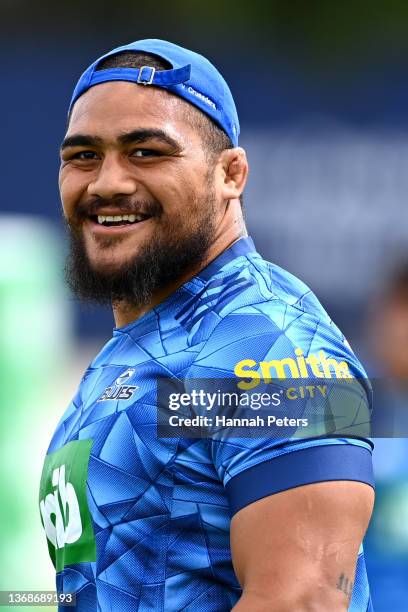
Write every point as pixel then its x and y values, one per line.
pixel 126 313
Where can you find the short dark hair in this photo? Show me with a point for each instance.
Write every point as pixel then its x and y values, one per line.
pixel 214 138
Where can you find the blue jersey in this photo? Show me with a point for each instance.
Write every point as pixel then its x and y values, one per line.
pixel 135 521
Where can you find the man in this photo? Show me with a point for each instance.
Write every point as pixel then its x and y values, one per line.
pixel 151 180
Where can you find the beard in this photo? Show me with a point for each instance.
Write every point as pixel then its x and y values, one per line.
pixel 177 247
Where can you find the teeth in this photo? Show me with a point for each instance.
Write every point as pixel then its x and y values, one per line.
pixel 110 218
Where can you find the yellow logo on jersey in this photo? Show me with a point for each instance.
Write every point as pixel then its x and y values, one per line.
pixel 312 366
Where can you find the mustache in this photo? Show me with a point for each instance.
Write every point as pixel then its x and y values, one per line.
pixel 122 204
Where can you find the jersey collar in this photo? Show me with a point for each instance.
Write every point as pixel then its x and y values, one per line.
pixel 240 248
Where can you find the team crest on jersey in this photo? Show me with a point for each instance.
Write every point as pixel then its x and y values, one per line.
pixel 120 390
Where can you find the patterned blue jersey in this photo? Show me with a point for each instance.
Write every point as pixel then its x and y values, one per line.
pixel 135 521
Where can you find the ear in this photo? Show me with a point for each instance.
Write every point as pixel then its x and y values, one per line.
pixel 234 167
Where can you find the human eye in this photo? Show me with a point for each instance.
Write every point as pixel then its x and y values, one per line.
pixel 84 155
pixel 72 155
pixel 144 153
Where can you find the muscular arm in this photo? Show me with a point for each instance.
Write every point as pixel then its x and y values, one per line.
pixel 297 550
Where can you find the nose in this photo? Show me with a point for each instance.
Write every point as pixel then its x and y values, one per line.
pixel 113 179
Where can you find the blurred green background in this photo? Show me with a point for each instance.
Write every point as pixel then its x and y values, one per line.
pixel 322 92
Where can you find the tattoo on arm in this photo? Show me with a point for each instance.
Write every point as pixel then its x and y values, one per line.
pixel 345 585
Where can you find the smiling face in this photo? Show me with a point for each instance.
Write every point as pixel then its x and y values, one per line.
pixel 137 187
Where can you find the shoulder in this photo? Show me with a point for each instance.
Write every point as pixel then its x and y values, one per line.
pixel 256 289
pixel 272 315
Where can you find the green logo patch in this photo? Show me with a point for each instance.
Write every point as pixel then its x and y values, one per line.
pixel 63 505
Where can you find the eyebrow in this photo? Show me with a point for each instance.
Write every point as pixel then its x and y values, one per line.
pixel 139 136
pixel 134 137
pixel 80 140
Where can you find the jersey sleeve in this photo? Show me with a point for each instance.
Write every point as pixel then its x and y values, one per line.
pixel 291 343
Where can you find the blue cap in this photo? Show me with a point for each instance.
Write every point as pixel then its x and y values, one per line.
pixel 192 77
